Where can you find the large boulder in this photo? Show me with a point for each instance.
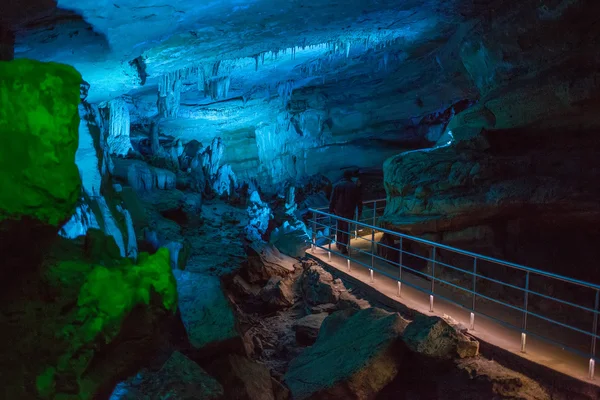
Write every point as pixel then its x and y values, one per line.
pixel 307 328
pixel 179 378
pixel 98 322
pixel 206 313
pixel 278 293
pixel 434 337
pixel 243 379
pixel 39 132
pixel 265 261
pixel 319 287
pixel 355 360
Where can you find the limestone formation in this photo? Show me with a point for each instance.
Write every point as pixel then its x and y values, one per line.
pixel 119 125
pixel 260 214
pixel 38 130
pixel 143 177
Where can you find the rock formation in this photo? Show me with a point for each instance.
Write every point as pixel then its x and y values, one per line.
pixel 37 171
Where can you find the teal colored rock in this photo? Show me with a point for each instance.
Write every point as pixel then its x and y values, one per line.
pixel 38 139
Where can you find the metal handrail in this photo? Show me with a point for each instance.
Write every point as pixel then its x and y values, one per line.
pixel 474 274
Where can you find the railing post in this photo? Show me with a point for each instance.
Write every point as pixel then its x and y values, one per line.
pixel 432 280
pixel 314 232
pixel 374 213
pixel 594 333
pixel 472 322
pixel 356 223
pixel 525 306
pixel 372 253
pixel 400 269
pixel 330 238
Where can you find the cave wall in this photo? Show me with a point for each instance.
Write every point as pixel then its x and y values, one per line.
pixel 518 180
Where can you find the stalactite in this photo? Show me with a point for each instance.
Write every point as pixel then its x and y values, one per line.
pixel 118 141
pixel 169 94
pixel 285 89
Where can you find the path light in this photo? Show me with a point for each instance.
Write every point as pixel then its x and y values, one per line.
pixel 472 322
pixel 348 265
pixel 372 280
pixel 399 289
pixel 430 303
pixel 592 368
pixel 523 342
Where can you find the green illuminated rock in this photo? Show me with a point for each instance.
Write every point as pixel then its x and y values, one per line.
pixel 38 135
pixel 106 297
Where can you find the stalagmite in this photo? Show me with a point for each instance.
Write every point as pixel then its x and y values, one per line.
pixel 132 249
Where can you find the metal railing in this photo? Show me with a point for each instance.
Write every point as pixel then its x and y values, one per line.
pixel 480 273
pixel 376 207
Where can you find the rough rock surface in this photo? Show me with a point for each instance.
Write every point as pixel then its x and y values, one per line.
pixel 208 318
pixel 319 287
pixel 278 293
pixel 243 379
pixel 434 337
pixel 329 369
pixel 38 130
pixel 179 378
pixel 265 261
pixel 307 328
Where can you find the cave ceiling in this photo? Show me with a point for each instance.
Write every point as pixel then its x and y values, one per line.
pixel 124 46
pixel 355 66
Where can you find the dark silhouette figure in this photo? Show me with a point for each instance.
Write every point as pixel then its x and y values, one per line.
pixel 346 197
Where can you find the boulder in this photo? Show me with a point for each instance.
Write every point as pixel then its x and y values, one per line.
pixel 179 378
pixel 280 391
pixel 434 337
pixel 244 289
pixel 337 367
pixel 265 261
pixel 278 293
pixel 291 239
pixel 323 308
pixel 348 300
pixel 242 378
pixel 206 313
pixel 39 131
pixel 307 328
pixel 488 379
pixel 99 322
pixel 319 287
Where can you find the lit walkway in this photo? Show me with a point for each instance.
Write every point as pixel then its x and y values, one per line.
pixel 487 330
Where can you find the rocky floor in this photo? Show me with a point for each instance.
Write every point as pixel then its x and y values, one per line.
pixel 262 325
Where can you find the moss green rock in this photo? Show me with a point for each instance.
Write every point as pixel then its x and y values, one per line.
pixel 107 295
pixel 38 135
